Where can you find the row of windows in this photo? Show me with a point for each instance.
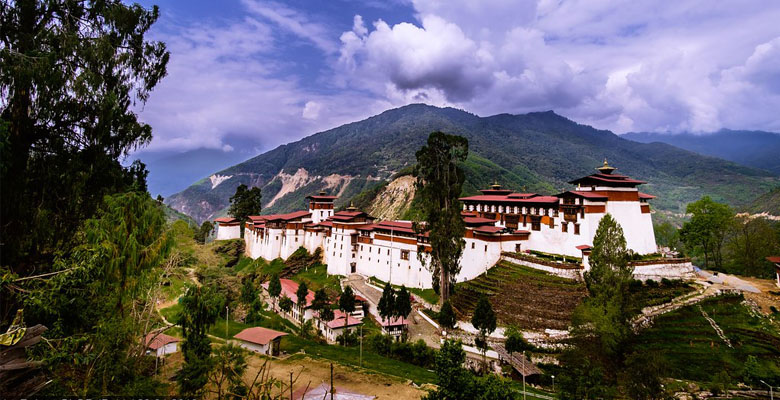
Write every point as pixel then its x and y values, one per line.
pixel 512 210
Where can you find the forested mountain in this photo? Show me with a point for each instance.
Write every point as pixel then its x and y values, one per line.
pixel 751 148
pixel 536 152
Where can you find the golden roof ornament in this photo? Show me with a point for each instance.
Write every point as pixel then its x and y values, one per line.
pixel 495 185
pixel 606 168
pixel 351 206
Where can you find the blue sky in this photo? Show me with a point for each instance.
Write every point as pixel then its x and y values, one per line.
pixel 247 75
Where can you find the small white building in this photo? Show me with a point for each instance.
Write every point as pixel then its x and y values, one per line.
pixel 395 326
pixel 776 261
pixel 333 329
pixel 290 290
pixel 228 228
pixel 160 343
pixel 260 340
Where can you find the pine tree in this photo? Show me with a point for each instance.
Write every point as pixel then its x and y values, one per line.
pixel 403 303
pixel 274 288
pixel 484 319
pixel 347 304
pixel 245 202
pixel 200 307
pixel 386 306
pixel 447 316
pixel 301 294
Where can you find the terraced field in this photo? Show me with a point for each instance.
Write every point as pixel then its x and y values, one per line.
pixel 528 298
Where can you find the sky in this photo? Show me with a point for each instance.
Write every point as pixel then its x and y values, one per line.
pixel 247 75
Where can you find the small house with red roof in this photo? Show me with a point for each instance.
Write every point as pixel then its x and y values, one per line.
pixel 228 228
pixel 260 340
pixel 290 289
pixel 776 261
pixel 341 323
pixel 160 344
pixel 395 326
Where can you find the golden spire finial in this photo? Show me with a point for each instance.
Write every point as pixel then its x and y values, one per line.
pixel 606 168
pixel 606 164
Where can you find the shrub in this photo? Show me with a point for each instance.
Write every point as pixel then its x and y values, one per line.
pixel 651 283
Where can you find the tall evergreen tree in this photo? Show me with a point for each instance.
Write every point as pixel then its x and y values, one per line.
pixel 245 202
pixel 439 182
pixel 274 288
pixel 347 305
pixel 200 308
pixel 484 320
pixel 447 316
pixel 71 74
pixel 403 303
pixel 386 306
pixel 301 294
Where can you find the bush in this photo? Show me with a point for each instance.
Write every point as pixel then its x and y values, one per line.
pixel 349 338
pixel 651 283
pixel 635 285
pixel 417 353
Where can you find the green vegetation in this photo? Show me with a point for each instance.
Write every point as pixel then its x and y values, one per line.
pixel 245 202
pixel 694 351
pixel 522 296
pixel 428 295
pixel 729 243
pixel 768 202
pixel 537 151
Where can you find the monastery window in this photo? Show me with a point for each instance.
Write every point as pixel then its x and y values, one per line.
pixel 277 237
pixel 576 229
pixel 582 213
pixel 485 247
pixel 361 247
pixel 517 248
pixel 536 226
pixel 296 239
pixel 369 249
pixel 472 244
pixel 341 247
pixel 388 252
pixel 564 226
pixel 404 254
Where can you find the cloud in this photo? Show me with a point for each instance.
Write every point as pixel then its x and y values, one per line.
pixel 293 22
pixel 638 65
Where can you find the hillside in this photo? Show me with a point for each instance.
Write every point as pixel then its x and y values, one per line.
pixel 535 152
pixel 751 148
pixel 767 203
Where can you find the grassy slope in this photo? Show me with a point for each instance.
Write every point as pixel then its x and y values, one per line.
pixel 694 351
pixel 528 298
pixel 766 203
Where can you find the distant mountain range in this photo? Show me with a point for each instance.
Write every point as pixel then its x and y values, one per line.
pixel 752 148
pixel 534 152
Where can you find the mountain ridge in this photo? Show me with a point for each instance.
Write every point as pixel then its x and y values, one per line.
pixel 538 151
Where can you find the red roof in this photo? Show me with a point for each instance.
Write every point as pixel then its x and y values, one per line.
pixel 289 289
pixel 610 180
pixel 478 221
pixel 226 219
pixel 338 320
pixel 522 232
pixel 259 335
pixel 488 229
pixel 522 195
pixel 322 197
pixel 510 199
pixel 286 217
pixel 645 196
pixel 155 340
pixel 584 247
pixel 587 195
pixel 774 259
pixel 395 226
pixel 394 321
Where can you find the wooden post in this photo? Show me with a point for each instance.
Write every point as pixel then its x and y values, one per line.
pixel 291 385
pixel 331 381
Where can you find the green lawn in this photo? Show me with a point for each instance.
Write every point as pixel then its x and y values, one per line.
pixel 317 277
pixel 693 350
pixel 429 295
pixel 351 356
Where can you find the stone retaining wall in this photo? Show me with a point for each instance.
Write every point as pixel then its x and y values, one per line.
pixel 570 271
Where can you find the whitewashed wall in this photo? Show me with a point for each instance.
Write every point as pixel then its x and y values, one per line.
pixel 227 232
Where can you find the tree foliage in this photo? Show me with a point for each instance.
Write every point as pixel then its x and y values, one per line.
pixel 245 202
pixel 386 306
pixel 439 182
pixel 286 304
pixel 226 377
pixel 347 302
pixel 403 303
pixel 515 342
pixel 706 232
pixel 205 230
pixel 447 316
pixel 200 308
pixel 71 74
pixel 484 320
pixel 274 287
pixel 100 301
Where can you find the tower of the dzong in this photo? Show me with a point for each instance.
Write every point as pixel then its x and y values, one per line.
pixel 321 207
